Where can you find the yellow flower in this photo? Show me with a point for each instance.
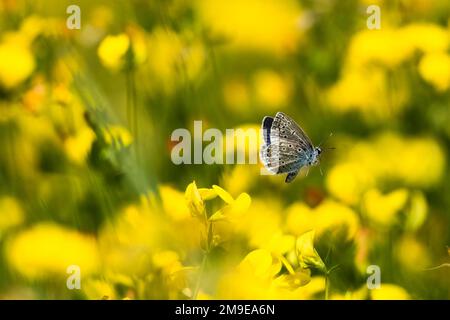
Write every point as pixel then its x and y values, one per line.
pixel 346 181
pixel 367 90
pixel 126 243
pixel 138 41
pixel 234 208
pixel 392 46
pixel 99 289
pixel 280 244
pixel 101 17
pixel 260 263
pixel 47 249
pixel 293 281
pixel 417 211
pixel 241 178
pixel 273 90
pixel 389 292
pixel 174 203
pixel 383 209
pixel 168 263
pixel 307 254
pixel 223 194
pixel 385 46
pixel 261 223
pixel 117 136
pixel 369 163
pixel 112 50
pixel 16 63
pixel 174 58
pixel 406 162
pixel 412 254
pixel 328 216
pixel 11 214
pixel 270 25
pixel 359 294
pixel 426 37
pixel 435 69
pixel 194 200
pixel 252 279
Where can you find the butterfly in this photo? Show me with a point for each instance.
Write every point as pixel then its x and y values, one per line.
pixel 286 147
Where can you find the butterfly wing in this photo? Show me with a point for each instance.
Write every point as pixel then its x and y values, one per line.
pixel 279 159
pixel 267 126
pixel 288 129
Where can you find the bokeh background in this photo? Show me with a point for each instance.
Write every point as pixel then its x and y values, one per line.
pixel 86 177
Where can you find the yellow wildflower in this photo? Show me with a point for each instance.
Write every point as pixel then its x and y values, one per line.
pixel 417 211
pixel 126 243
pixel 174 58
pixel 389 292
pixel 347 180
pixel 435 69
pixel 16 63
pixel 426 37
pixel 328 216
pixel 385 46
pixel 234 208
pixel 78 147
pixel 98 289
pixel 412 254
pixel 307 254
pixel 252 279
pixel 271 25
pixel 112 50
pixel 402 162
pixel 261 223
pixel 367 90
pixel 194 200
pixel 273 90
pixel 383 209
pixel 241 178
pixel 174 203
pixel 117 135
pixel 11 214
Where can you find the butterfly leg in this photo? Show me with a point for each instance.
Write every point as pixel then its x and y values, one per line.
pixel 291 176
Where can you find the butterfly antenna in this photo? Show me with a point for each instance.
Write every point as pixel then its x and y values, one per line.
pixel 320 169
pixel 324 140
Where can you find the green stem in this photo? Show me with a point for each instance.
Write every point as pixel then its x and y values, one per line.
pixel 132 111
pixel 199 278
pixel 205 257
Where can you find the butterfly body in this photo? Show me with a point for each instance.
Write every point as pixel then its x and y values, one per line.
pixel 286 147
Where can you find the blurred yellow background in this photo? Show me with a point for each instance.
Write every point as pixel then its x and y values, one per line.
pixel 86 177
